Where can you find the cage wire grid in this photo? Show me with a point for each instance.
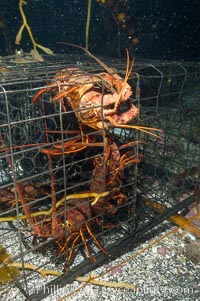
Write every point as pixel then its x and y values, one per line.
pixel 168 97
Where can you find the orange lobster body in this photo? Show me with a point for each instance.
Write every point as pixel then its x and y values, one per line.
pixel 94 98
pixel 107 175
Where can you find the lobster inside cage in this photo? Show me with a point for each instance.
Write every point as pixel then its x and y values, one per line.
pixel 95 98
pixel 70 188
pixel 51 213
pixel 88 182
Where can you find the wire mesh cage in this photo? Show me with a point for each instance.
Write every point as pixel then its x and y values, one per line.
pixel 169 173
pixel 71 194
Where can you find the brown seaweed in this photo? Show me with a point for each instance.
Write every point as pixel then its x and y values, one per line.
pixel 7 273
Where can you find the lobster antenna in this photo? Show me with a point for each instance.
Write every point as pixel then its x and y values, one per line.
pixel 107 69
pixel 127 62
pixel 128 71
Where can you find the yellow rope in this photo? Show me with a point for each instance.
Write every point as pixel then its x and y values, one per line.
pixel 25 25
pixel 9 270
pixel 91 280
pixel 33 267
pixel 94 195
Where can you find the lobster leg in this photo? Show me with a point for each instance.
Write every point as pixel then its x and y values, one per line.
pixel 61 246
pixel 86 246
pixel 143 129
pixel 64 94
pixel 96 241
pixel 36 97
pixel 66 148
pixel 72 248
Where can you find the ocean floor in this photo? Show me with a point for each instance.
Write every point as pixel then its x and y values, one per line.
pixel 164 267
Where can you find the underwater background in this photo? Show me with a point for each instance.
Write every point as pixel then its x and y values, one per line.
pixel 45 160
pixel 154 29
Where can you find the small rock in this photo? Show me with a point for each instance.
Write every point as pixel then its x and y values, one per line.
pixel 162 250
pixel 192 252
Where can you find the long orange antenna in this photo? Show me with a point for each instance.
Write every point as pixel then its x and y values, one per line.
pixel 107 69
pixel 128 71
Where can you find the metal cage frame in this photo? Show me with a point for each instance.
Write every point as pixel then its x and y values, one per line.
pixel 168 172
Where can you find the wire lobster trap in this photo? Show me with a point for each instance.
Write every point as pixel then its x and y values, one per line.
pixel 57 191
pixel 169 173
pixel 52 175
